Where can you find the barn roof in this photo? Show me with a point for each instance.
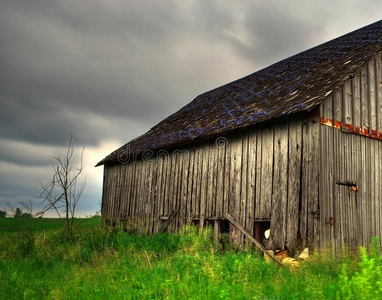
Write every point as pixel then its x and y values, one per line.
pixel 298 83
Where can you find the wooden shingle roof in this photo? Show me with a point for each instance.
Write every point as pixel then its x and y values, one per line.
pixel 298 83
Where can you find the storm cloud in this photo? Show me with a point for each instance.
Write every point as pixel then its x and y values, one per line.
pixel 108 71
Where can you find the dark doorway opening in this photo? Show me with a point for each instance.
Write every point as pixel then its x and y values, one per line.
pixel 260 228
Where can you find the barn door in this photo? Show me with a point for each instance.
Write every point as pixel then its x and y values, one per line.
pixel 340 179
pixel 346 212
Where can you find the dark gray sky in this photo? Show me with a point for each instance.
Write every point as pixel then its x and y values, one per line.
pixel 109 70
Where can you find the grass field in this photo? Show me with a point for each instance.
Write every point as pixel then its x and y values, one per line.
pixel 37 262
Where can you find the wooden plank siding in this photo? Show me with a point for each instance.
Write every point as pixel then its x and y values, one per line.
pixel 253 175
pixel 357 214
pixel 350 152
pixel 296 173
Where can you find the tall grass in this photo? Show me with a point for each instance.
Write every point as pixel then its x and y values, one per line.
pixel 100 264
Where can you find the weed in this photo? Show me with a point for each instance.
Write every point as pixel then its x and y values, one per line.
pixel 102 264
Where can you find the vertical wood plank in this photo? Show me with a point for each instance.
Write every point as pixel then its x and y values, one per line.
pixel 182 183
pixel 197 183
pixel 128 190
pixel 227 178
pixel 165 158
pixel 235 184
pixel 259 166
pixel 352 209
pixel 158 192
pixel 364 98
pixel 175 180
pixel 280 187
pixel 267 152
pixel 363 190
pixel 314 175
pixel 252 159
pixel 133 190
pixel 221 144
pixel 336 191
pixel 372 95
pixel 329 107
pixel 149 196
pixel 154 196
pixel 144 197
pixel 337 103
pixel 356 86
pixel 304 183
pixel 323 185
pixel 378 80
pixel 211 180
pixel 138 197
pixel 371 187
pixel 190 187
pixel 331 183
pixel 116 193
pixel 167 187
pixel 184 195
pixel 347 102
pixel 294 177
pixel 244 180
pixel 357 173
pixel 347 200
pixel 204 182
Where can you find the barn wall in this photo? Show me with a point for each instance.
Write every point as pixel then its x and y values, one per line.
pixel 350 177
pixel 253 174
pixel 350 188
pixel 356 106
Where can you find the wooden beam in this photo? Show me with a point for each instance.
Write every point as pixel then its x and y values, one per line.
pixel 169 219
pixel 250 237
pixel 216 232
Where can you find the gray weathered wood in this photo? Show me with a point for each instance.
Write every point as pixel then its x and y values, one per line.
pixel 167 222
pixel 259 166
pixel 204 186
pixel 244 181
pixel 216 232
pixel 372 94
pixel 364 98
pixel 227 177
pixel 220 173
pixel 264 209
pixel 294 178
pixel 235 184
pixel 251 181
pixel 280 187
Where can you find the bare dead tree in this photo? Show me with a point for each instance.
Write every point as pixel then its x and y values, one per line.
pixel 11 208
pixel 64 191
pixel 27 206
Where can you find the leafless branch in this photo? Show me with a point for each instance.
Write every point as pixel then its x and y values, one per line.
pixel 63 190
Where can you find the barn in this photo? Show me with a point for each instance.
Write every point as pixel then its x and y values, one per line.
pixel 295 147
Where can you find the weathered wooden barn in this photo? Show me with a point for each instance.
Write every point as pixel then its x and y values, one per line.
pixel 295 147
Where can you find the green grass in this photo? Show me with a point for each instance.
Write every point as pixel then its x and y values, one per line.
pixel 36 262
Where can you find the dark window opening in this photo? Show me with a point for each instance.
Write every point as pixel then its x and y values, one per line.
pixel 195 223
pixel 224 226
pixel 221 233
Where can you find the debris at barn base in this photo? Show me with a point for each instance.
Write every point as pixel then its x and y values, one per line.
pixel 283 257
pixel 290 261
pixel 304 254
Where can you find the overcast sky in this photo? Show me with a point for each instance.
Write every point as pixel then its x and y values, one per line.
pixel 109 70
